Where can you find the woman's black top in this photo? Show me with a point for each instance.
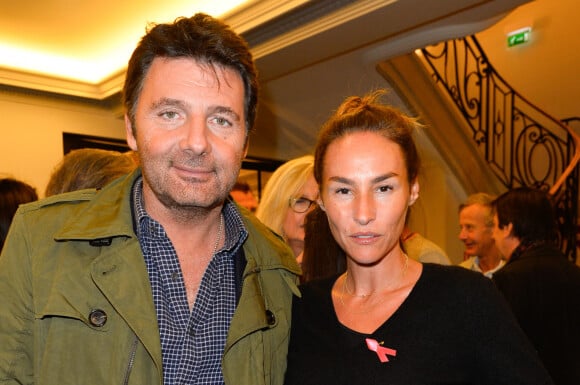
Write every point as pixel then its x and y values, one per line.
pixel 453 328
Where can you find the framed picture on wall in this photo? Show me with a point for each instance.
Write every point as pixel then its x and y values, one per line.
pixel 75 141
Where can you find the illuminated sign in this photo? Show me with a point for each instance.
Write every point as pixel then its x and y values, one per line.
pixel 519 36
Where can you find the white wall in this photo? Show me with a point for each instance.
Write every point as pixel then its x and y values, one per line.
pixel 545 69
pixel 31 130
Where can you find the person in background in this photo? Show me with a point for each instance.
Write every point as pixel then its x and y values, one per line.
pixel 13 193
pixel 388 318
pixel 540 284
pixel 242 194
pixel 289 194
pixel 157 278
pixel 476 233
pixel 88 168
pixel 422 249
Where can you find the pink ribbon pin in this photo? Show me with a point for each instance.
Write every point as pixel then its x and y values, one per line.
pixel 381 351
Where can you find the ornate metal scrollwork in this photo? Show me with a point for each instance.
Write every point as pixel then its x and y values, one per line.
pixel 523 145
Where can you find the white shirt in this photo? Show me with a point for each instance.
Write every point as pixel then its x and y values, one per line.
pixel 473 264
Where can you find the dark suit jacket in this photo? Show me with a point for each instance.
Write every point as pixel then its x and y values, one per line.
pixel 543 289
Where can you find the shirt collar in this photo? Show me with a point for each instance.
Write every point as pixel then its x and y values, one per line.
pixel 235 230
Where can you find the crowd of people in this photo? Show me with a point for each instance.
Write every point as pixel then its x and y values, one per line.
pixel 150 267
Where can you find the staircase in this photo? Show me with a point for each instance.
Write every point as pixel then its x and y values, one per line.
pixel 517 142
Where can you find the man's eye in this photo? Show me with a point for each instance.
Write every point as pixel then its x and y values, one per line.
pixel 169 114
pixel 222 121
pixel 342 190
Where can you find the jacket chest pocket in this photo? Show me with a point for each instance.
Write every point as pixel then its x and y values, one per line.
pixel 79 335
pixel 90 345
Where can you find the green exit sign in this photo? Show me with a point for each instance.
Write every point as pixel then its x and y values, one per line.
pixel 519 37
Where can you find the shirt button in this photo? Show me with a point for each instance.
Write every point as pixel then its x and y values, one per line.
pixel 270 318
pixel 98 318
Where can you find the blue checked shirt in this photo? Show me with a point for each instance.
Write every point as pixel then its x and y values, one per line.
pixel 192 342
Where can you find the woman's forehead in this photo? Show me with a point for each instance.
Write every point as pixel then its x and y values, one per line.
pixel 363 150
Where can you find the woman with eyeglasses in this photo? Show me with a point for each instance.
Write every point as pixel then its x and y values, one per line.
pixel 289 194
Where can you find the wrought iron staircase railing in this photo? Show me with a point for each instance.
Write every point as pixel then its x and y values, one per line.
pixel 523 145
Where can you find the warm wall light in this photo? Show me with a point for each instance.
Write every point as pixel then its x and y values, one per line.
pixel 108 53
pixel 45 63
pixel 519 36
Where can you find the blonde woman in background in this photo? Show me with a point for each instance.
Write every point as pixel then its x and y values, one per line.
pixel 289 195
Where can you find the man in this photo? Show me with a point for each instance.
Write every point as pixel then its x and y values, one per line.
pixel 475 231
pixel 156 278
pixel 540 284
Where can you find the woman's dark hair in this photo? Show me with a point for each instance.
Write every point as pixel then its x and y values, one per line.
pixel 531 213
pixel 200 37
pixel 367 114
pixel 322 256
pixel 12 193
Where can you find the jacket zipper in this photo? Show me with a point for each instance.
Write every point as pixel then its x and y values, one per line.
pixel 131 361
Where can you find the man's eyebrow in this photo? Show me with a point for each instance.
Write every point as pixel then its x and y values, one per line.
pixel 168 102
pixel 227 111
pixel 340 179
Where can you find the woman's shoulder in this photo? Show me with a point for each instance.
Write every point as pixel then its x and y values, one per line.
pixel 438 271
pixel 453 278
pixel 315 302
pixel 455 289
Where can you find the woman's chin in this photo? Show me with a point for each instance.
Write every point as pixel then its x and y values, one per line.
pixel 297 246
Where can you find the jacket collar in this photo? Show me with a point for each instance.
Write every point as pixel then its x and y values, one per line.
pixel 111 215
pixel 535 250
pixel 270 252
pixel 108 216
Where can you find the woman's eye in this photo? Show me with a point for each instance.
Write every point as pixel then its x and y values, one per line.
pixel 385 188
pixel 342 191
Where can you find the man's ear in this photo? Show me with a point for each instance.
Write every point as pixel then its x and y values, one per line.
pixel 131 140
pixel 321 204
pixel 508 230
pixel 414 192
pixel 246 145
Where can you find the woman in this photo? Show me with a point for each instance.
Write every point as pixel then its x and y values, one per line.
pixel 389 319
pixel 540 284
pixel 288 196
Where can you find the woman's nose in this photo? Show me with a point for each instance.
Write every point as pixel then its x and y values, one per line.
pixel 364 209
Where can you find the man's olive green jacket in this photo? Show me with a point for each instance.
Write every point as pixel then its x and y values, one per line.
pixel 76 304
